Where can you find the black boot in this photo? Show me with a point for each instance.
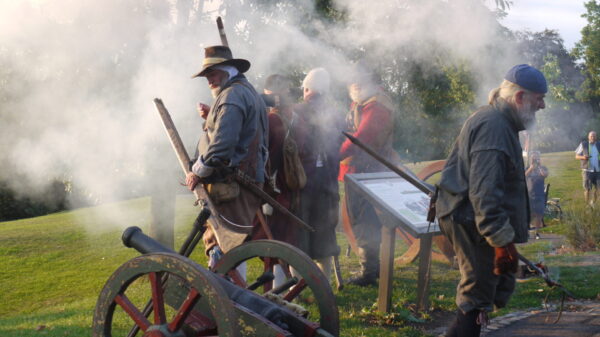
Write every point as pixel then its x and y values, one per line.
pixel 369 268
pixel 465 325
pixel 363 280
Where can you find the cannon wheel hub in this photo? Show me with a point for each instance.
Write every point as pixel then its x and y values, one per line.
pixel 161 331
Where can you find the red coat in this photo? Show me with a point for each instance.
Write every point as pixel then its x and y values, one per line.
pixel 372 122
pixel 278 222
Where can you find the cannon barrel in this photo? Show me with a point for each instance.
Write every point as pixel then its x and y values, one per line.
pixel 133 237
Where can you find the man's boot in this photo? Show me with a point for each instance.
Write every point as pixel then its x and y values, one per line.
pixel 467 324
pixel 369 268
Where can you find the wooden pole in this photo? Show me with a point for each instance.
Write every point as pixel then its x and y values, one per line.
pixel 162 206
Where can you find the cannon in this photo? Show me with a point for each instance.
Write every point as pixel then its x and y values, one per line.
pixel 166 294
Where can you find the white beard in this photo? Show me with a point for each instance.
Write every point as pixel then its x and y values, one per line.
pixel 527 115
pixel 215 91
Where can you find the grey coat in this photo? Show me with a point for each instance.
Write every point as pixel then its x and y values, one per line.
pixel 236 130
pixel 484 178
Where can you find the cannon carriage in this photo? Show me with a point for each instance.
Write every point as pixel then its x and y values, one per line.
pixel 166 294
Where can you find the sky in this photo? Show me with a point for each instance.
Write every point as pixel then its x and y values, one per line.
pixel 537 15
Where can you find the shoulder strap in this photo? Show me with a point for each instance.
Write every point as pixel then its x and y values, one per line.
pixel 289 125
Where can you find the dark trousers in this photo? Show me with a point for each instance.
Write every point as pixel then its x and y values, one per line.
pixel 479 288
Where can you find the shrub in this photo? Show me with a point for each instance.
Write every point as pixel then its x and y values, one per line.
pixel 14 206
pixel 583 227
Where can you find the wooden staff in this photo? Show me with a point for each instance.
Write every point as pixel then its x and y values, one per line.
pixel 222 32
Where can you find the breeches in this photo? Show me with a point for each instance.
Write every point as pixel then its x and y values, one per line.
pixel 365 222
pixel 479 288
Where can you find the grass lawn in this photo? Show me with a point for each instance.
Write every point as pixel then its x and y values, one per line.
pixel 53 267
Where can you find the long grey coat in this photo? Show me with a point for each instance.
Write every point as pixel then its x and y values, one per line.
pixel 237 116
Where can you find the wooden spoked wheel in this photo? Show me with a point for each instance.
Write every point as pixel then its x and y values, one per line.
pixel 312 288
pixel 186 300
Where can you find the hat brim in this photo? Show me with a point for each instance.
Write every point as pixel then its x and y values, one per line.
pixel 240 64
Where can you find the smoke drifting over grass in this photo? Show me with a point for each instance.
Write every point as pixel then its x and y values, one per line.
pixel 78 77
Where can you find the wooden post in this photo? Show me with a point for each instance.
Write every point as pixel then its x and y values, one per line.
pixel 386 273
pixel 424 272
pixel 162 226
pixel 162 205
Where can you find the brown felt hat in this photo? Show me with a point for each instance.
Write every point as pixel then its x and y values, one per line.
pixel 221 55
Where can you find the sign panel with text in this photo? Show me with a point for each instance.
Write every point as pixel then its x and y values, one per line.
pixel 403 204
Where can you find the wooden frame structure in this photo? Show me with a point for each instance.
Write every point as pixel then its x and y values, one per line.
pixel 420 240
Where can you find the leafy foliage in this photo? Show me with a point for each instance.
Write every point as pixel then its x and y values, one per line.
pixel 583 230
pixel 14 206
pixel 432 105
pixel 587 50
pixel 565 118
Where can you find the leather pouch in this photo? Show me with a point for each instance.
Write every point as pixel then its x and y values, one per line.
pixel 220 192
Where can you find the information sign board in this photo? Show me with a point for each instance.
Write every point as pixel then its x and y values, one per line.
pixel 397 199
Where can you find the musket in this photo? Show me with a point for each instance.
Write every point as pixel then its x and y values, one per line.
pixel 248 182
pixel 199 190
pixel 180 151
pixel 222 32
pixel 549 281
pixel 398 169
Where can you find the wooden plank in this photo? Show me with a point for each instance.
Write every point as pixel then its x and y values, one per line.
pixel 424 272
pixel 388 241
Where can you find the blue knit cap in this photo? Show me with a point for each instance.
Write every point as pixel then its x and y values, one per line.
pixel 527 77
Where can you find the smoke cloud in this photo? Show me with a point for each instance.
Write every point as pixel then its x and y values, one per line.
pixel 78 77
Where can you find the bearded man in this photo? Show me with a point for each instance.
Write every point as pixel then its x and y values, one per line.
pixel 370 120
pixel 483 206
pixel 235 138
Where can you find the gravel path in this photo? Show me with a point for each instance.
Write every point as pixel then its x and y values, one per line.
pixel 579 319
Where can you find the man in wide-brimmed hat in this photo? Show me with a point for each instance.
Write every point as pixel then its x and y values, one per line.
pixel 235 137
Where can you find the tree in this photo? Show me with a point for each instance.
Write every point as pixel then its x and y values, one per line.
pixel 587 50
pixel 561 122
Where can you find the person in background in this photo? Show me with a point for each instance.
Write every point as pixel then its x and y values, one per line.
pixel 536 175
pixel 284 127
pixel 287 133
pixel 319 200
pixel 483 206
pixel 588 153
pixel 371 120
